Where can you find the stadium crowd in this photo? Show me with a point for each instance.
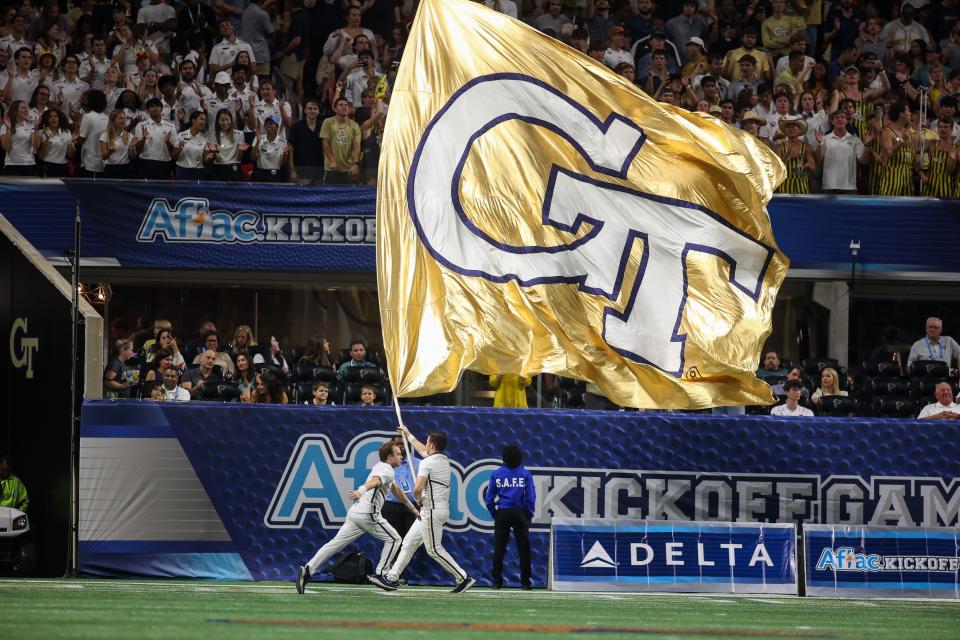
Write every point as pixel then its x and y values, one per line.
pixel 854 96
pixel 915 380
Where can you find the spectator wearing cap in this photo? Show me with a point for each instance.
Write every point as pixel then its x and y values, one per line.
pixel 900 33
pixel 696 64
pixel 599 20
pixel 225 52
pixel 222 98
pixel 689 24
pixel 194 150
pixel 341 138
pixel 761 61
pixel 553 17
pixel 750 122
pixel 642 52
pixel 778 27
pixel 796 154
pixel 155 140
pixel 615 54
pixel 270 152
pixel 748 77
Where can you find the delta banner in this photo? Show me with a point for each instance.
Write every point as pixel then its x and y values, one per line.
pixel 248 492
pixel 882 562
pixel 138 225
pixel 650 555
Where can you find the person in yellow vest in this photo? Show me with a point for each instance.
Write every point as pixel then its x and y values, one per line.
pixel 12 492
pixel 511 390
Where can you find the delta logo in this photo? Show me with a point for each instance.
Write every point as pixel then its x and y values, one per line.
pixel 846 559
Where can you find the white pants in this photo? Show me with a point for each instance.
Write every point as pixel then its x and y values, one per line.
pixel 427 531
pixel 356 525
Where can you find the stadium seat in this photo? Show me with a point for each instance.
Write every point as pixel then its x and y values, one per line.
pixel 309 372
pixel 883 386
pixel 813 366
pixel 837 406
pixel 894 407
pixel 296 353
pixel 365 375
pixel 221 391
pixel 929 368
pixel 885 368
pixel 304 392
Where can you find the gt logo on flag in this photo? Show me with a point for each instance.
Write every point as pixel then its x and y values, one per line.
pixel 647 330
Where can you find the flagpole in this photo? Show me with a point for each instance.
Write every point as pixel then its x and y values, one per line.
pixel 406 449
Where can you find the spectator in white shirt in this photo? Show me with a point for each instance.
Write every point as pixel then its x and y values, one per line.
pixel 944 408
pixel 270 105
pixel 161 21
pixel 615 53
pixel 359 78
pixel 154 143
pixel 94 68
pixel 791 407
pixel 225 52
pixel 193 150
pixel 20 140
pixel 172 391
pixel 21 80
pixel 190 91
pixel 56 145
pixel 838 152
pixel 117 148
pixel 93 124
pixel 270 152
pixel 506 7
pixel 68 91
pixel 229 146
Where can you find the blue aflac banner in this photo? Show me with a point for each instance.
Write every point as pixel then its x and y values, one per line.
pixel 650 555
pixel 214 490
pixel 882 562
pixel 286 228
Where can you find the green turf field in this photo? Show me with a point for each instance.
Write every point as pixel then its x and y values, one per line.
pixel 158 609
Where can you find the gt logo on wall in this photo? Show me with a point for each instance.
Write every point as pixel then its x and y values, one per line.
pixel 22 347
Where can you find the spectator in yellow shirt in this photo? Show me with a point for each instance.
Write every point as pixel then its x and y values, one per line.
pixel 777 29
pixel 511 390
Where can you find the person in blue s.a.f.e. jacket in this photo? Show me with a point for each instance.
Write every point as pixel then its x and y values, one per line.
pixel 511 499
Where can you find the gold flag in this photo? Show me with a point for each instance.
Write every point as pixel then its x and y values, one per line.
pixel 538 213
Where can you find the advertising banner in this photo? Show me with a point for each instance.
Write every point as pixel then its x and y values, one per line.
pixel 250 491
pixel 650 555
pixel 288 228
pixel 882 562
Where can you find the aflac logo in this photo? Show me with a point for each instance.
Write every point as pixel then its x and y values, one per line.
pixel 845 559
pixel 316 480
pixel 191 220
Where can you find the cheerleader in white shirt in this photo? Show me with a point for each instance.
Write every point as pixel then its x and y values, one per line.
pixel 270 152
pixel 117 148
pixel 56 145
pixel 193 149
pixel 20 140
pixel 229 148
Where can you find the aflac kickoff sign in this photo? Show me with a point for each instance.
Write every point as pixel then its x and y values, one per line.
pixel 646 555
pixel 882 561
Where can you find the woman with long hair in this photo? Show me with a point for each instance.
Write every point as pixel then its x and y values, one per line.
pixel 162 359
pixel 118 380
pixel 168 342
pixel 117 148
pixel 113 85
pixel 270 353
pixel 246 376
pixel 193 149
pixel 20 140
pixel 149 85
pixel 829 385
pixel 129 103
pixel 243 59
pixel 229 148
pixel 39 103
pixel 242 339
pixel 269 390
pixel 56 145
pixel 814 115
pixel 317 352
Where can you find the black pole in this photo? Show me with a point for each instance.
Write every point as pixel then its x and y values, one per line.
pixel 851 322
pixel 76 398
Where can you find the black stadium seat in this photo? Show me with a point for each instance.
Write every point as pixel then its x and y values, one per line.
pixel 220 390
pixel 895 407
pixel 813 366
pixel 352 392
pixel 364 375
pixel 885 368
pixel 837 406
pixel 884 386
pixel 930 368
pixel 309 372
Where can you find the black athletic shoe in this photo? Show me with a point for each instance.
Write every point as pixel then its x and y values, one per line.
pixel 465 584
pixel 303 577
pixel 383 582
pixel 497 585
